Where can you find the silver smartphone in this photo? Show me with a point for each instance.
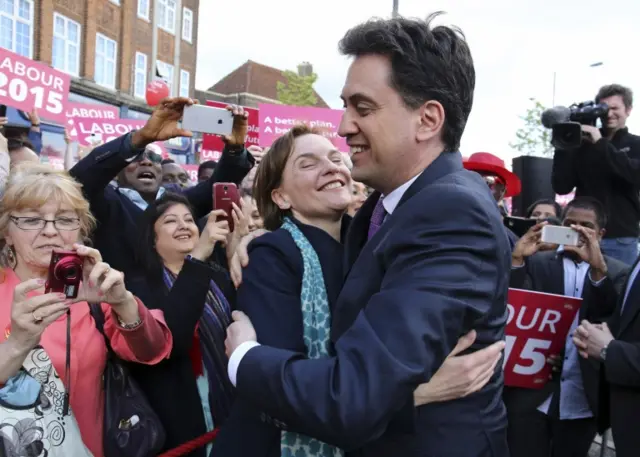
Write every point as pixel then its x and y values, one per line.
pixel 554 234
pixel 207 119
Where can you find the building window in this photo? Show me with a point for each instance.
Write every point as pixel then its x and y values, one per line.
pixel 16 26
pixel 166 73
pixel 66 45
pixel 184 83
pixel 106 53
pixel 187 24
pixel 140 76
pixel 167 15
pixel 143 9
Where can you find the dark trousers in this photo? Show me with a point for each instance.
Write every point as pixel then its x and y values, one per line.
pixel 534 434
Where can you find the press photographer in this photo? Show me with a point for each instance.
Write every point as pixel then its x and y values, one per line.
pixel 601 163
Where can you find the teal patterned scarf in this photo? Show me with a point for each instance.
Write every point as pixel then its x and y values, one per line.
pixel 316 321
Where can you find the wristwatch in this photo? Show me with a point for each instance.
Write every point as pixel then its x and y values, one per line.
pixel 603 353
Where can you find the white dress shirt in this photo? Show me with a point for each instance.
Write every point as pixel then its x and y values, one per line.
pixel 390 202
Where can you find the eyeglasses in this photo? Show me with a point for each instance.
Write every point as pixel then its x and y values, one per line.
pixel 152 156
pixel 492 181
pixel 38 223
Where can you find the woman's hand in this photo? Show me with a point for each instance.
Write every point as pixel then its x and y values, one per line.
pixel 215 231
pixel 31 316
pixel 240 229
pixel 100 283
pixel 460 376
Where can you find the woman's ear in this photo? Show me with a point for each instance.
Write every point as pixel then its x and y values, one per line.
pixel 280 199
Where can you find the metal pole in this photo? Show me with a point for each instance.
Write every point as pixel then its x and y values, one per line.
pixel 176 50
pixel 394 12
pixel 154 40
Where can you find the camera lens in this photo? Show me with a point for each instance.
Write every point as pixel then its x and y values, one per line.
pixel 71 273
pixel 225 188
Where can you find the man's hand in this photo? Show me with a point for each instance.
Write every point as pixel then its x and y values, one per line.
pixel 589 251
pixel 460 376
pixel 240 331
pixel 528 245
pixel 240 126
pixel 35 120
pixel 590 339
pixel 591 133
pixel 163 123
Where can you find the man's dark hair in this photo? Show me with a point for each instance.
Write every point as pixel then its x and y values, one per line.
pixel 167 161
pixel 427 63
pixel 588 203
pixel 616 89
pixel 14 144
pixel 209 164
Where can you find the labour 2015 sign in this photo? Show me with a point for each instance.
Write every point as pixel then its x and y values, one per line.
pixel 26 84
pixel 537 327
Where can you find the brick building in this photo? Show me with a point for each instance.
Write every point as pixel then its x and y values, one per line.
pixel 105 45
pixel 251 84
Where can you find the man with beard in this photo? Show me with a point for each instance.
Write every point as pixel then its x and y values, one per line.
pixel 139 173
pixel 426 260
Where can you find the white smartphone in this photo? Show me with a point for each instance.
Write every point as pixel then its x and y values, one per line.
pixel 207 119
pixel 555 234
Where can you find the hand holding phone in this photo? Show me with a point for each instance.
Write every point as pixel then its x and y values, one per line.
pixel 225 194
pixel 207 119
pixel 518 225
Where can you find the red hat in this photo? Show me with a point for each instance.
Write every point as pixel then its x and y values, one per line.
pixel 485 162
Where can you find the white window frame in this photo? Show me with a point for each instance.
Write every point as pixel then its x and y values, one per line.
pixel 187 32
pixel 106 59
pixel 140 73
pixel 67 43
pixel 144 14
pixel 188 83
pixel 169 77
pixel 15 18
pixel 163 22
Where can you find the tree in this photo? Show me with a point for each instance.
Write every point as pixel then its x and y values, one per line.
pixel 532 138
pixel 298 90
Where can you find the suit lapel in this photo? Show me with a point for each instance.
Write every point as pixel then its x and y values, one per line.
pixel 632 305
pixel 358 232
pixel 555 273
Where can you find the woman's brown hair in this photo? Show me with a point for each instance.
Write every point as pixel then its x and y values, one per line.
pixel 269 175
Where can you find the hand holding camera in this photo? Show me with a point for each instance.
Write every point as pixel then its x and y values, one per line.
pixel 588 250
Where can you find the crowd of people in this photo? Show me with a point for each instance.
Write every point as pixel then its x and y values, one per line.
pixel 356 305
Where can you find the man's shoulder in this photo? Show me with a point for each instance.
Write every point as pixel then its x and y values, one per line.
pixel 615 266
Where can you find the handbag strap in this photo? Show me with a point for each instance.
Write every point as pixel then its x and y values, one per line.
pixel 96 312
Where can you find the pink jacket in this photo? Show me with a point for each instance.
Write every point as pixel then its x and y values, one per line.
pixel 149 343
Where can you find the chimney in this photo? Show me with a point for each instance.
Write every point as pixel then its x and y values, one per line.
pixel 305 69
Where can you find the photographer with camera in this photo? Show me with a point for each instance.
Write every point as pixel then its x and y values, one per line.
pixel 605 165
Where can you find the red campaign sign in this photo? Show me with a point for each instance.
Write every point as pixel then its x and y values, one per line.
pixel 91 130
pixel 537 327
pixel 88 111
pixel 212 145
pixel 26 84
pixel 193 172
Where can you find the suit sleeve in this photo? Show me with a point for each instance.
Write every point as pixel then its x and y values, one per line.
pixel 440 281
pixel 99 168
pixel 604 297
pixel 622 366
pixel 231 168
pixel 564 177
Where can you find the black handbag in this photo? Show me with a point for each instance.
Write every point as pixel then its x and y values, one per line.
pixel 131 427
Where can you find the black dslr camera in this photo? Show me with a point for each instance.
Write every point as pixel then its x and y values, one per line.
pixel 564 122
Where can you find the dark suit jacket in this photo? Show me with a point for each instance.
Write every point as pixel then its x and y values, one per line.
pixel 620 376
pixel 544 272
pixel 437 268
pixel 170 386
pixel 116 236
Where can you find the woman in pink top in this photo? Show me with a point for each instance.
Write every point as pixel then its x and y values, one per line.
pixel 44 210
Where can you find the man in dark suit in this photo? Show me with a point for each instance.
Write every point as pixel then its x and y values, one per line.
pixel 559 420
pixel 427 259
pixel 616 345
pixel 139 179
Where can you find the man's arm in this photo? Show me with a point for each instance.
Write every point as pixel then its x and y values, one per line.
pixel 622 365
pixel 564 177
pixel 440 281
pixel 624 165
pixel 232 167
pixel 602 296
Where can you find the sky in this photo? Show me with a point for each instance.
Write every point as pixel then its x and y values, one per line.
pixel 517 46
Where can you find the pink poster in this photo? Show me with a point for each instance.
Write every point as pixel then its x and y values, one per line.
pixel 276 120
pixel 212 145
pixel 91 131
pixel 88 111
pixel 26 84
pixel 193 172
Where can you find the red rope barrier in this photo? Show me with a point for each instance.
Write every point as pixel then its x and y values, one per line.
pixel 192 445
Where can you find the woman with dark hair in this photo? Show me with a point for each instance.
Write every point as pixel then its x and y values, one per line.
pixel 543 209
pixel 189 391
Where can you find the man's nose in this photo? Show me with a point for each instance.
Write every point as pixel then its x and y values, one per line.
pixel 347 126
